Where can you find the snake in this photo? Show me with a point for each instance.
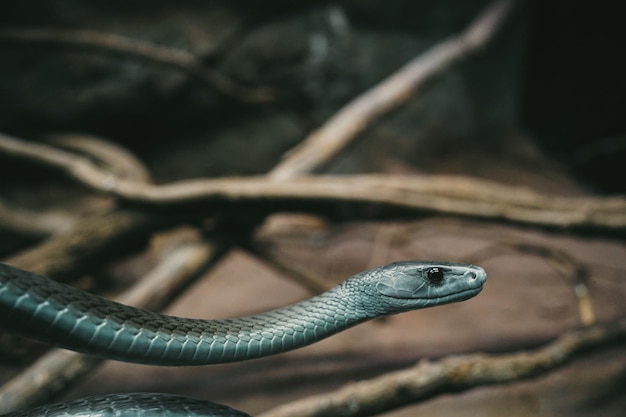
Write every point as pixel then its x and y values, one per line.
pixel 54 313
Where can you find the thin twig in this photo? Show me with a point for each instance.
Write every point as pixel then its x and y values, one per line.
pixel 450 375
pixel 572 269
pixel 33 225
pixel 308 280
pixel 114 156
pixel 90 241
pixel 327 141
pixel 56 370
pixel 140 48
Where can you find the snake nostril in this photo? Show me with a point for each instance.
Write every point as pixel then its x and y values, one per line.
pixel 471 274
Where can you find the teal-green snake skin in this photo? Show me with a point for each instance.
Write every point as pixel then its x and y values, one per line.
pixel 54 313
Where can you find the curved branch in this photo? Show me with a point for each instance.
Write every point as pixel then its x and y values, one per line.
pixel 452 195
pixel 144 49
pixel 33 225
pixel 312 282
pixel 90 241
pixel 575 271
pixel 115 157
pixel 449 375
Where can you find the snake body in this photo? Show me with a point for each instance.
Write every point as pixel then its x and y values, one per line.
pixel 54 313
pixel 132 405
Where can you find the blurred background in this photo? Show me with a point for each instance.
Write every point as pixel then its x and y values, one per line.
pixel 540 106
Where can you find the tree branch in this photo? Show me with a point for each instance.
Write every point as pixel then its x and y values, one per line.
pixel 450 375
pixel 116 158
pixel 327 141
pixel 90 241
pixel 33 225
pixel 451 195
pixel 575 271
pixel 177 58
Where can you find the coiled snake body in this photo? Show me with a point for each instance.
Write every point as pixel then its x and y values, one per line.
pixel 57 314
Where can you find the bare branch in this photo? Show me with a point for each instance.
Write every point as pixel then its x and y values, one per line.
pixel 327 141
pixel 56 370
pixel 117 158
pixel 140 48
pixel 33 225
pixel 450 375
pixel 90 241
pixel 575 271
pixel 442 194
pixel 308 280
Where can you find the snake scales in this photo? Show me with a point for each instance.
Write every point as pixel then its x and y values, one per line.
pixel 60 315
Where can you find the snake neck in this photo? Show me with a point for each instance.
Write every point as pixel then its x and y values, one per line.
pixel 66 317
pixel 279 330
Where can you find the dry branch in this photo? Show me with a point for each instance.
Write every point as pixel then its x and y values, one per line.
pixel 177 58
pixel 450 375
pixel 33 225
pixel 452 195
pixel 327 141
pixel 56 370
pixel 91 241
pixel 114 156
pixel 312 282
pixel 575 271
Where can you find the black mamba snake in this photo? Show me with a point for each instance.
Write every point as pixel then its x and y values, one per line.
pixel 54 313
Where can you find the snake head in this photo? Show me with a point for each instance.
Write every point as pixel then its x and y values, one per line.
pixel 418 284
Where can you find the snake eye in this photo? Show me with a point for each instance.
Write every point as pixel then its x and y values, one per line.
pixel 435 275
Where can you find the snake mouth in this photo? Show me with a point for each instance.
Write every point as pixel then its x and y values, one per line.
pixel 474 282
pixel 459 295
pixel 465 294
